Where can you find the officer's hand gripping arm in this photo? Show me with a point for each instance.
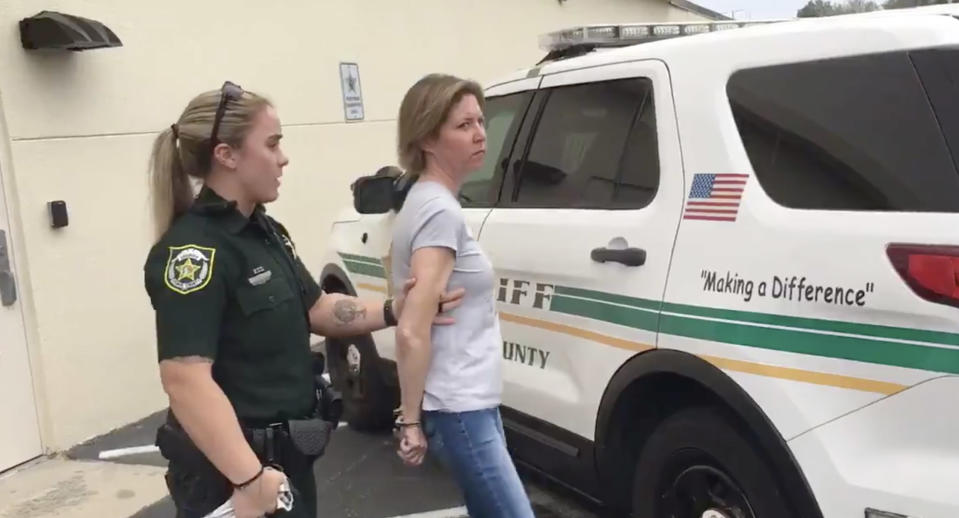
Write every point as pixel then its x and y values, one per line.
pixel 338 315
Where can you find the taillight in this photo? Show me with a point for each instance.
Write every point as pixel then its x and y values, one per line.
pixel 931 271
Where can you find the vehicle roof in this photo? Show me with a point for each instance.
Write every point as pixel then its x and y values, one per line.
pixel 799 39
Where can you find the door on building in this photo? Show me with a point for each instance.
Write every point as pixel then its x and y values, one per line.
pixel 20 433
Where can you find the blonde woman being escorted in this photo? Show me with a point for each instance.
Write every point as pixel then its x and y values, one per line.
pixel 449 376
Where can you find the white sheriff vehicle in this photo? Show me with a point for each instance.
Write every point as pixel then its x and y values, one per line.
pixel 727 266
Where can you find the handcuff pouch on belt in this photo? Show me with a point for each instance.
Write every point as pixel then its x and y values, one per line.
pixel 310 436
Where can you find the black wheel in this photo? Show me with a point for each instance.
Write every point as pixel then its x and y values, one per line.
pixel 355 370
pixel 697 464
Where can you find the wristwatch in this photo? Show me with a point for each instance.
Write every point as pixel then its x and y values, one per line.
pixel 388 315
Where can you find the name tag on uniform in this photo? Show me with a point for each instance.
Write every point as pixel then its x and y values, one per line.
pixel 260 276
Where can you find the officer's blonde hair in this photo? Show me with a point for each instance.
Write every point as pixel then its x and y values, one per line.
pixel 182 151
pixel 424 110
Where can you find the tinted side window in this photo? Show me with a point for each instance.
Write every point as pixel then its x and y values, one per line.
pixel 855 133
pixel 939 70
pixel 595 146
pixel 503 115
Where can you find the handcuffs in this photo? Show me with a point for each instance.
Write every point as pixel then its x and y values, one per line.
pixel 399 424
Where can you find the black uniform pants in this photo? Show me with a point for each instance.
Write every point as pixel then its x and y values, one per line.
pixel 197 492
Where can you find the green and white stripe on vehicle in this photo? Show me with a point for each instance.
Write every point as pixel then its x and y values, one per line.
pixel 369 266
pixel 920 349
pixel 885 345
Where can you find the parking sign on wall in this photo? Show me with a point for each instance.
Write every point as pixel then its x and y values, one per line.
pixel 352 93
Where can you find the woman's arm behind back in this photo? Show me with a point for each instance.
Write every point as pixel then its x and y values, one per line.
pixel 431 267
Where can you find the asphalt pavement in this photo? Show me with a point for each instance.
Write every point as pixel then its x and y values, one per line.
pixel 359 477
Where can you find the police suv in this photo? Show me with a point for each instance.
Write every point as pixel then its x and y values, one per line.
pixel 727 266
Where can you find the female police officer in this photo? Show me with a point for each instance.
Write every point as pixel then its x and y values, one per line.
pixel 234 311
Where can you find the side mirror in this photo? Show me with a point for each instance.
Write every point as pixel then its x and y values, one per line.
pixel 381 192
pixel 373 194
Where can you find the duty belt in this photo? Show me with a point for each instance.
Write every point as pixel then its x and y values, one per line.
pixel 267 439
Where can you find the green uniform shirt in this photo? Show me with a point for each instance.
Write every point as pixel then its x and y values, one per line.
pixel 232 289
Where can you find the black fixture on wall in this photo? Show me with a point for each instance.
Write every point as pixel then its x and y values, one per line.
pixel 59 31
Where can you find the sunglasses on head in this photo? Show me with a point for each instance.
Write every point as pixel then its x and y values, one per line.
pixel 228 92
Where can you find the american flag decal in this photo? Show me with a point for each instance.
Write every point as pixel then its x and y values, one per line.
pixel 715 197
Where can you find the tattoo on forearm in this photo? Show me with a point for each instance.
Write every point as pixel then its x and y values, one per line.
pixel 346 311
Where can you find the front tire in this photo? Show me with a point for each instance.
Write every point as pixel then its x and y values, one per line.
pixel 698 464
pixel 354 365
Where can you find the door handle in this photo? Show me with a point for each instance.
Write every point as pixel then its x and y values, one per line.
pixel 8 284
pixel 627 256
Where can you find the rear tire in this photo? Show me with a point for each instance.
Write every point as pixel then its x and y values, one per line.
pixel 696 461
pixel 354 365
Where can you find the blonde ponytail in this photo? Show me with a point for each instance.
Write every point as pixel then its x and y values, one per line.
pixel 181 152
pixel 171 190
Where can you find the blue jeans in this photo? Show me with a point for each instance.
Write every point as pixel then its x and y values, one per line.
pixel 472 446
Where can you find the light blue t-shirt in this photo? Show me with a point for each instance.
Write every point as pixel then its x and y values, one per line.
pixel 464 372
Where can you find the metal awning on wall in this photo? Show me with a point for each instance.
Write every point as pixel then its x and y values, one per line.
pixel 60 31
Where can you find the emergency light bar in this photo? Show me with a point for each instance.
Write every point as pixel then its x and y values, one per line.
pixel 632 33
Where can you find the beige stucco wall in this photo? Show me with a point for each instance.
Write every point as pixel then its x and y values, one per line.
pixel 80 126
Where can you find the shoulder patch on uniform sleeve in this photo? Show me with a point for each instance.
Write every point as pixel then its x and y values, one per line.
pixel 189 268
pixel 289 245
pixel 285 236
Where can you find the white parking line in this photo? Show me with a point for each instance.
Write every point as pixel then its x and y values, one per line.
pixel 134 450
pixel 452 512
